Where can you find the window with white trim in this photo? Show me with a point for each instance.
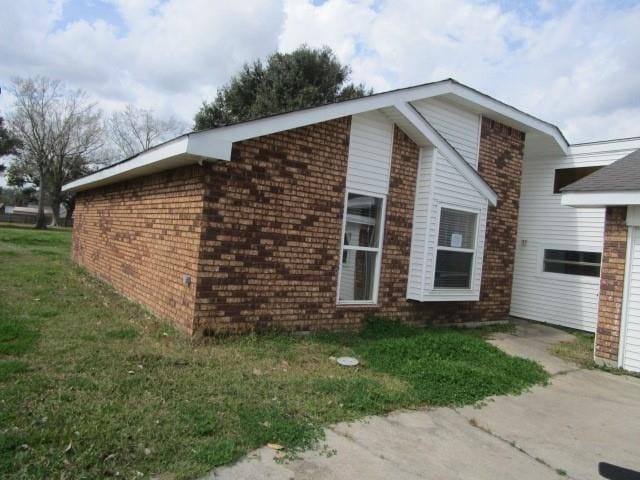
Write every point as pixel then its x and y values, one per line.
pixel 572 262
pixel 456 248
pixel 361 243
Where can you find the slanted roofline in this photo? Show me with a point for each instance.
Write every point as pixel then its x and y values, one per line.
pixel 215 144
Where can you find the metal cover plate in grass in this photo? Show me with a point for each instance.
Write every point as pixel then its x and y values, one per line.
pixel 347 361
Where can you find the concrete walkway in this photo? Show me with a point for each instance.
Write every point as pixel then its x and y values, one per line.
pixel 560 431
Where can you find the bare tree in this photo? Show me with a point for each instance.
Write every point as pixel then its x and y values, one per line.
pixel 59 129
pixel 136 129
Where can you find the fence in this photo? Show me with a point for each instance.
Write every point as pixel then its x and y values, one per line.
pixel 31 219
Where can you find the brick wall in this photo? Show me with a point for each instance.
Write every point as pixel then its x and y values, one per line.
pixel 142 236
pixel 274 221
pixel 500 164
pixel 271 248
pixel 261 235
pixel 611 283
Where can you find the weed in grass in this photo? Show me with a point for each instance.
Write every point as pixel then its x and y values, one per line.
pixel 217 452
pixel 122 334
pixel 11 367
pixel 16 337
pixel 445 367
pixel 578 351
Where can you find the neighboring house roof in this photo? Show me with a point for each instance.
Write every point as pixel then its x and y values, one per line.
pixel 621 175
pixel 216 144
pixel 616 184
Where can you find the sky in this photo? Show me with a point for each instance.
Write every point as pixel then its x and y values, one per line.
pixel 575 64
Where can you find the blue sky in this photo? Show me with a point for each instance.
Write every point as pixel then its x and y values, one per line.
pixel 573 63
pixel 90 11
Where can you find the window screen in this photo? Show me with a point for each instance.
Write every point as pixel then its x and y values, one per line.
pixel 457 229
pixel 456 249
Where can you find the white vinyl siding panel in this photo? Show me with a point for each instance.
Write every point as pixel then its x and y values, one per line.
pixel 567 300
pixel 459 127
pixel 370 145
pixel 631 336
pixel 415 285
pixel 446 189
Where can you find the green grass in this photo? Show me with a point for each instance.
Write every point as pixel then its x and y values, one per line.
pixel 91 385
pixel 580 351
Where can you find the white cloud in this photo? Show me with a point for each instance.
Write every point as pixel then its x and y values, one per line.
pixel 575 66
pixel 572 64
pixel 172 55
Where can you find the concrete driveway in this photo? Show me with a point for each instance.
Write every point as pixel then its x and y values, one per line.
pixel 560 431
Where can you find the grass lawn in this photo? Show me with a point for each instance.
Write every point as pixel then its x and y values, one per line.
pixel 91 385
pixel 580 352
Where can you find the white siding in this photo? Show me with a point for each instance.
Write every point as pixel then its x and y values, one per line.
pixel 631 336
pixel 567 300
pixel 370 145
pixel 422 202
pixel 458 126
pixel 446 188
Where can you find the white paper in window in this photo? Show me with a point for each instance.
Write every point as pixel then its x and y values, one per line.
pixel 456 240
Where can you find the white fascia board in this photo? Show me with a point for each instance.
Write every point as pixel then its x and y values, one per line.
pixel 600 199
pixel 217 143
pixel 505 110
pixel 445 148
pixel 300 118
pixel 310 116
pixel 180 151
pixel 613 145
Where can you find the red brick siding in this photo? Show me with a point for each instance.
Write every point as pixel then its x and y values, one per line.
pixel 611 283
pixel 274 213
pixel 500 164
pixel 142 236
pixel 272 242
pixel 261 235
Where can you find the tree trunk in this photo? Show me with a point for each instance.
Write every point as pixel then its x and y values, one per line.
pixel 55 214
pixel 70 205
pixel 41 222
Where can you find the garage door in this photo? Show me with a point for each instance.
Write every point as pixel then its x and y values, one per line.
pixel 631 338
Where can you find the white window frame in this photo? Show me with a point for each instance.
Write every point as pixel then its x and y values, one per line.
pixel 585 279
pixel 474 250
pixel 378 249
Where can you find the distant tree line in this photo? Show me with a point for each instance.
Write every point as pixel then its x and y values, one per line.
pixel 55 134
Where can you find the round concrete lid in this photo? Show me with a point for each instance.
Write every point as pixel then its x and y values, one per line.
pixel 347 361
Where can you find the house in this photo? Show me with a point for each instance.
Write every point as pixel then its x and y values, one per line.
pixel 32 210
pixel 432 204
pixel 615 188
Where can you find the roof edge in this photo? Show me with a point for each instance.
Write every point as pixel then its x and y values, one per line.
pixel 216 143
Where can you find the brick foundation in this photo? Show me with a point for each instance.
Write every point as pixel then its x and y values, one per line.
pixel 611 284
pixel 261 235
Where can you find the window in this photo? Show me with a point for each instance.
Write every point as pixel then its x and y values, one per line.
pixel 572 262
pixel 361 249
pixel 456 247
pixel 566 176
